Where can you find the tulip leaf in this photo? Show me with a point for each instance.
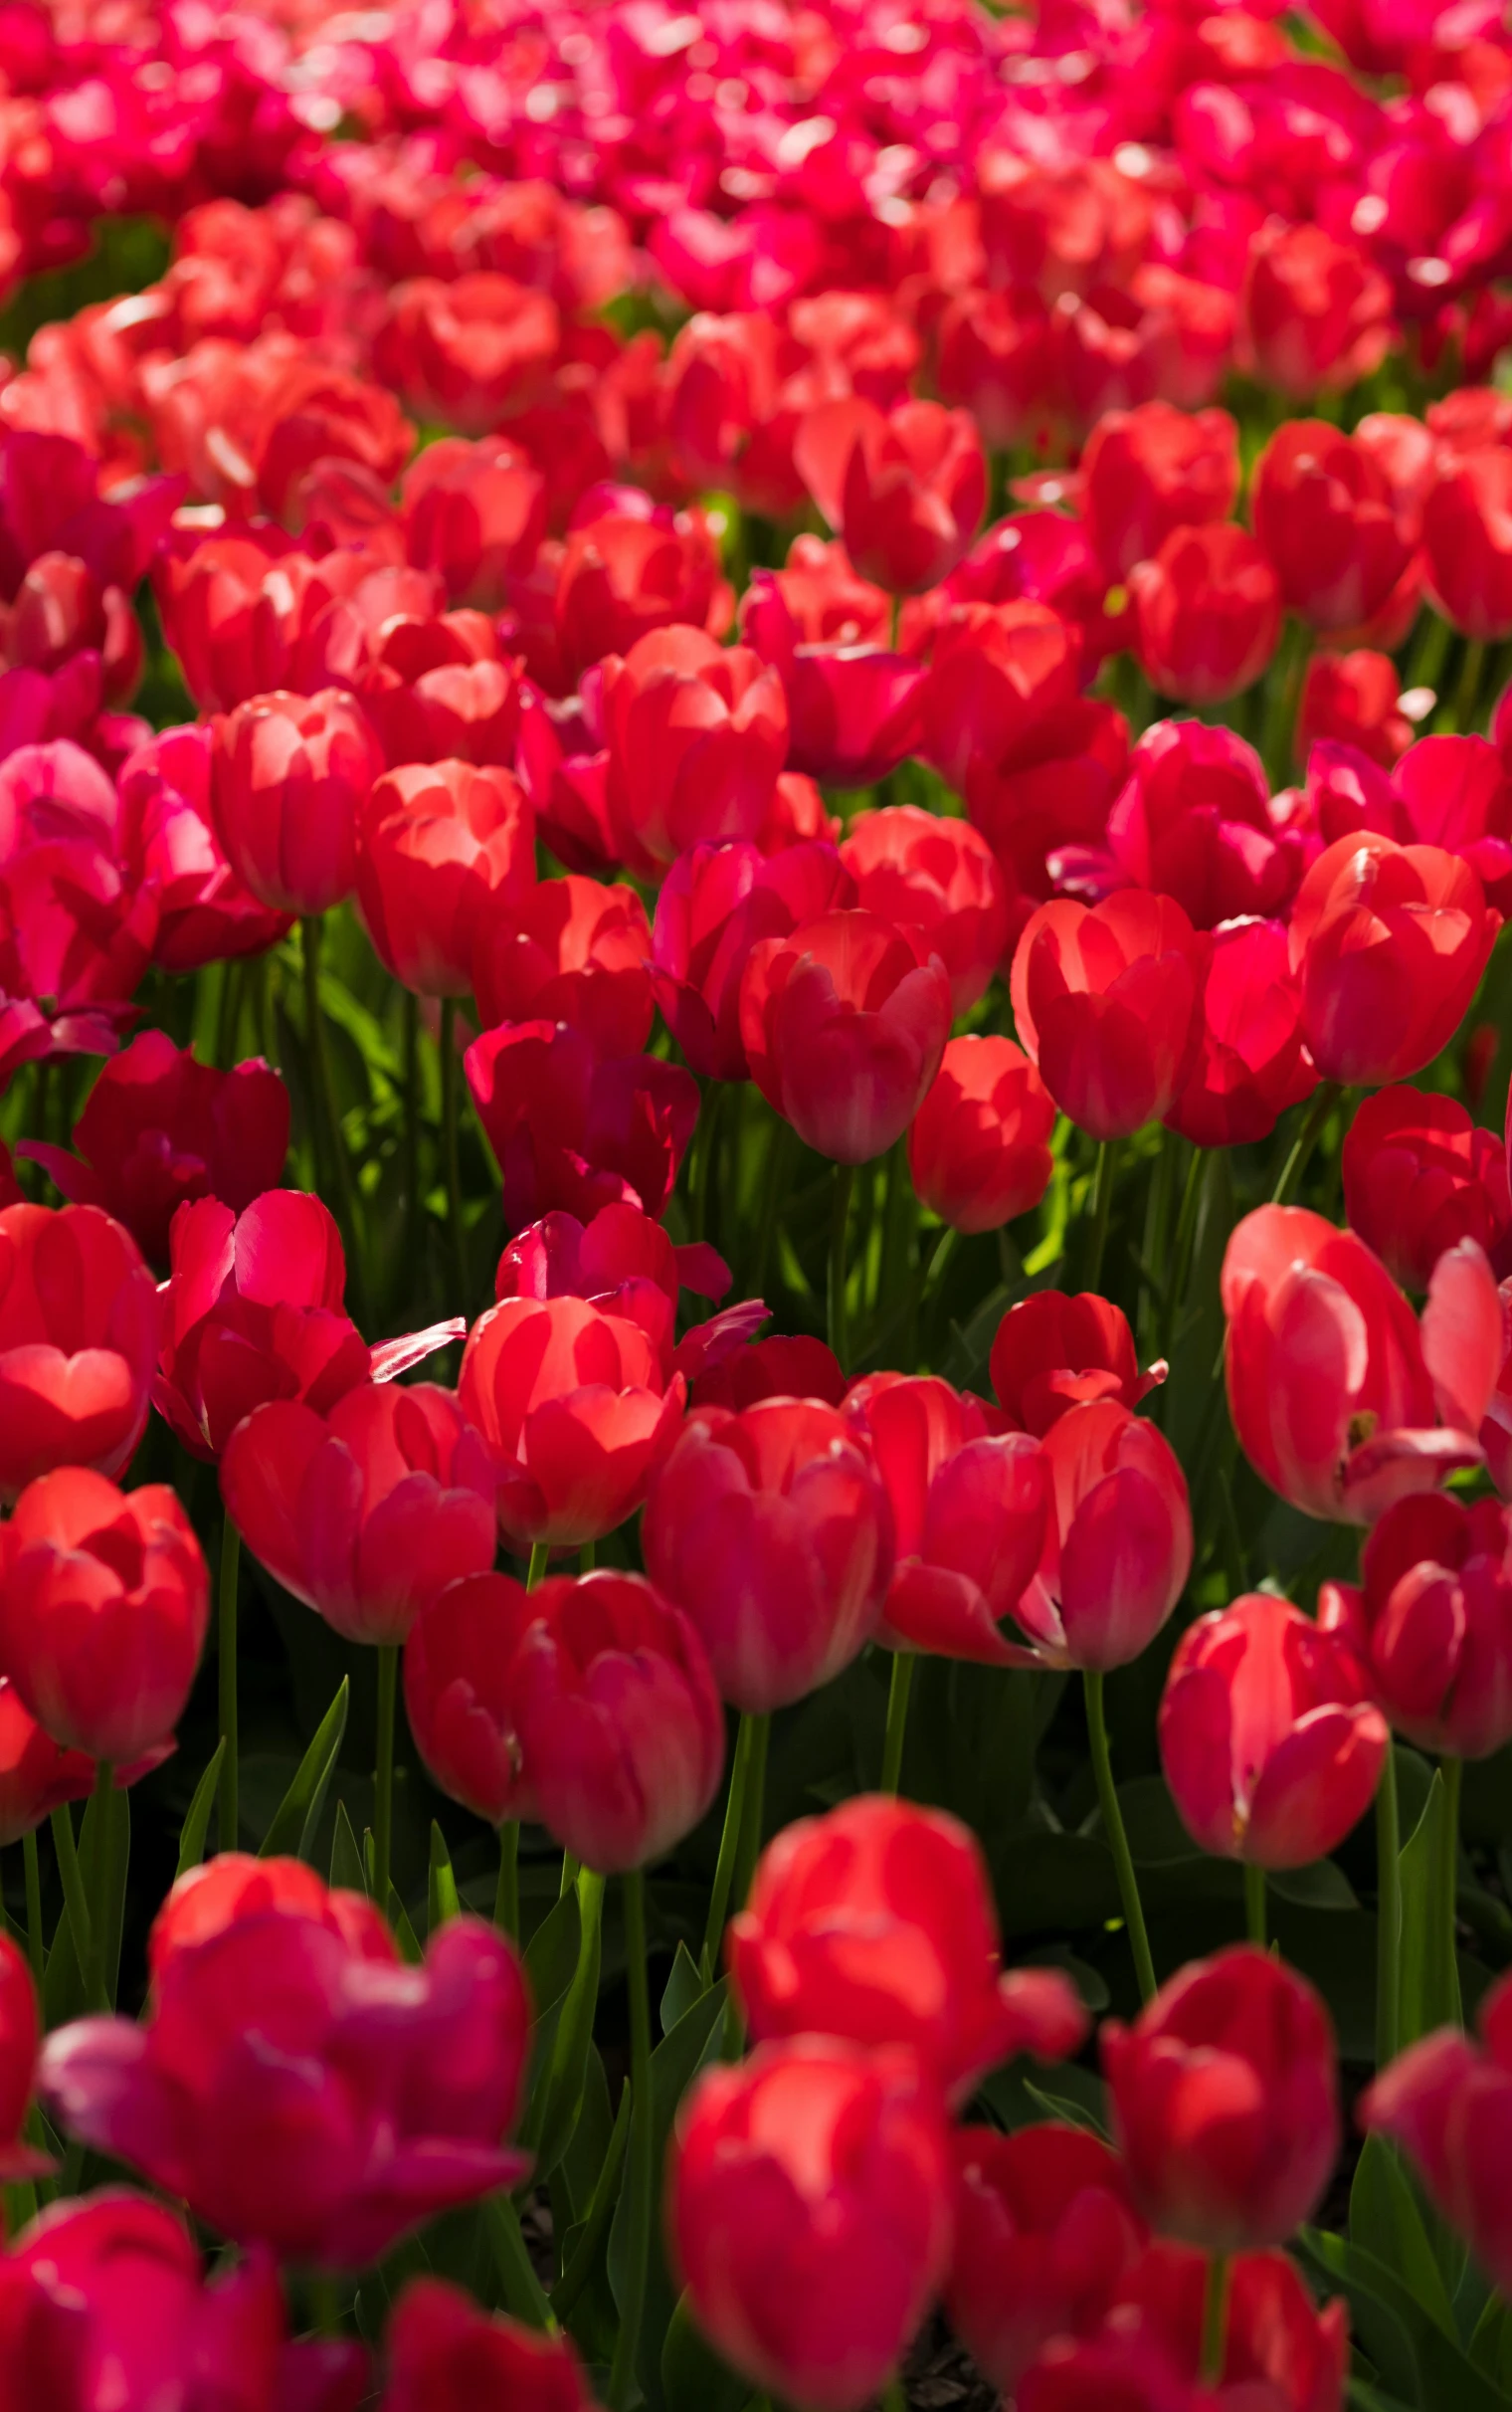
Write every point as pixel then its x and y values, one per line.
pixel 1385 2219
pixel 404 1931
pixel 1321 1885
pixel 683 1987
pixel 557 2099
pixel 191 1841
pixel 443 1902
pixel 673 2066
pixel 1414 2357
pixel 347 1872
pixel 1491 2342
pixel 297 1816
pixel 1430 1992
pixel 694 2378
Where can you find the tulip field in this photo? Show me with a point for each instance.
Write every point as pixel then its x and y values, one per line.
pixel 755 1228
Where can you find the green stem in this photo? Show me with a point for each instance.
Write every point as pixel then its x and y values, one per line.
pixel 231 1567
pixel 325 1093
pixel 76 1899
pixel 1215 2318
pixel 1388 1913
pixel 730 1847
pixel 383 1779
pixel 1113 1826
pixel 1452 1769
pixel 1284 687
pixel 522 2291
pixel 540 1552
pixel 641 2175
pixel 412 1197
pixel 755 1809
pixel 560 2099
pixel 897 1719
pixel 507 1891
pixel 773 1189
pixel 1102 1205
pixel 450 1111
pixel 895 2394
pixel 1306 1141
pixel 839 1338
pixel 1254 1903
pixel 99 1907
pixel 1467 688
pixel 34 1949
pixel 324 2304
pixel 894 623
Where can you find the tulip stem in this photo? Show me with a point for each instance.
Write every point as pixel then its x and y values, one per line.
pixel 507 1892
pixel 1467 688
pixel 730 1847
pixel 383 1779
pixel 412 1256
pixel 755 1809
pixel 1215 2318
pixel 1113 1826
pixel 895 2394
pixel 1451 1770
pixel 1254 1903
pixel 1388 1913
pixel 75 1899
pixel 231 1566
pixel 325 1095
pixel 540 1552
pixel 34 1950
pixel 840 1339
pixel 1306 1141
pixel 1103 1206
pixel 449 1108
pixel 897 1719
pixel 641 2175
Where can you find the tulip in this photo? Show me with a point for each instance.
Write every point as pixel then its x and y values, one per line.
pixel 903 489
pixel 1389 943
pixel 569 951
pixel 1335 1390
pixel 1104 998
pixel 1420 1177
pixel 854 707
pixel 999 673
pixel 1148 471
pixel 696 734
pixel 715 905
pixel 845 1024
pixel 1324 512
pixel 626 1263
pixel 79 1332
pixel 620 1730
pixel 1224 2101
pixel 875 1925
pixel 1195 821
pixel 810 2214
pixel 1105 2375
pixel 576 1129
pixel 626 571
pixel 937 877
pixel 1119 1547
pixel 1352 699
pixel 37 1775
pixel 445 2355
pixel 1045 2230
pixel 1272 1743
pixel 20 2034
pixel 1447 2101
pixel 1052 1353
pixel 1208 611
pixel 977 1151
pixel 1464 533
pixel 1449 792
pixel 292 778
pixel 795 1366
pixel 1431 1622
pixel 205 913
pixel 159 1128
pixel 572 1406
pixel 458 1697
pixel 1278 2351
pixel 232 1885
pixel 1047 801
pixel 305 2095
pixel 441 850
pixel 474 513
pixel 104 1604
pixel 1250 1065
pixel 771 1529
pixel 1315 313
pixel 78 919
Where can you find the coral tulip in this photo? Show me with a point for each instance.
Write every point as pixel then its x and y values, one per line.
pixel 978 1149
pixel 1104 999
pixel 1431 1622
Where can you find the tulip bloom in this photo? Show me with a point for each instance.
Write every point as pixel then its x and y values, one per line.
pixel 977 1151
pixel 715 905
pixel 362 1514
pixel 1224 2101
pixel 1315 312
pixel 1052 1353
pixel 1464 534
pixel 845 1024
pixel 1046 2231
pixel 1208 612
pixel 626 1263
pixel 20 2034
pixel 572 1406
pixel 1195 821
pixel 1335 1389
pixel 158 1129
pixel 876 1925
pixel 904 490
pixel 1119 1547
pixel 305 2090
pixel 1148 471
pixel 206 914
pixel 1420 1177
pixel 1431 1622
pixel 620 1730
pixel 445 2355
pixel 443 849
pixel 571 950
pixel 938 878
pixel 784 1366
pixel 37 1775
pixel 1324 511
pixel 1279 2350
pixel 696 734
pixel 1270 1741
pixel 576 1129
pixel 458 1697
pixel 1104 999
pixel 1352 699
pixel 79 1331
pixel 104 1604
pixel 998 672
pixel 771 1529
pixel 1389 943
pixel 810 2215
pixel 291 778
pixel 1250 1064
pixel 1447 2101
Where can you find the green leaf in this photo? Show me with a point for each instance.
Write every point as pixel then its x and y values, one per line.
pixel 557 2097
pixel 1321 1885
pixel 1429 1993
pixel 551 1955
pixel 404 1933
pixel 684 1988
pixel 1385 2219
pixel 694 2378
pixel 443 1901
pixel 297 1815
pixel 1411 2353
pixel 346 1869
pixel 191 1840
pixel 1074 2095
pixel 674 2065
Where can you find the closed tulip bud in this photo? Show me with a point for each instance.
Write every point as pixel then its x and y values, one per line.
pixel 937 877
pixel 79 1331
pixel 1419 1177
pixel 876 1925
pixel 771 1529
pixel 1053 1353
pixel 573 1128
pixel 1208 612
pixel 1272 1744
pixel 1467 540
pixel 1324 511
pixel 459 1696
pixel 1250 1064
pixel 845 1024
pixel 105 1603
pixel 445 2355
pixel 1119 1548
pixel 20 2034
pixel 1389 943
pixel 1194 820
pixel 696 734
pixel 442 849
pixel 1352 699
pixel 569 951
pixel 293 775
pixel 810 2216
pixel 621 1732
pixel 978 1150
pixel 904 490
pixel 1104 1001
pixel 1315 313
pixel 715 905
pixel 1224 2101
pixel 1431 1622
pixel 1150 470
pixel 1448 2102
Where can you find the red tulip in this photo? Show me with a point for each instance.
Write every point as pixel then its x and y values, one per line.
pixel 1465 538
pixel 37 1775
pixel 291 778
pixel 771 1531
pixel 78 919
pixel 232 1885
pixel 574 1411
pixel 810 2213
pixel 576 1129
pixel 1104 998
pixel 1047 801
pixel 445 2355
pixel 1419 1177
pixel 1225 2099
pixel 1389 943
pixel 441 849
pixel 696 734
pixel 1052 1353
pixel 1272 1744
pixel 1194 820
pixel 1449 792
pixel 845 1023
pixel 632 567
pixel 999 673
pixel 1324 512
pixel 1336 1392
pixel 302 2094
pixel 1150 470
pixel 1431 1622
pixel 937 877
pixel 1119 1547
pixel 79 1330
pixel 784 1366
pixel 1045 2230
pixel 158 1128
pixel 206 915
pixel 1208 612
pixel 474 513
pixel 1447 2101
pixel 1315 313
pixel 1250 1065
pixel 20 2034
pixel 715 905
pixel 854 710
pixel 978 1150
pixel 626 1263
pixel 570 950
pixel 1280 2354
pixel 875 1925
pixel 903 489
pixel 1106 2374
pixel 459 1696
pixel 620 1730
pixel 104 1604
pixel 1352 699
